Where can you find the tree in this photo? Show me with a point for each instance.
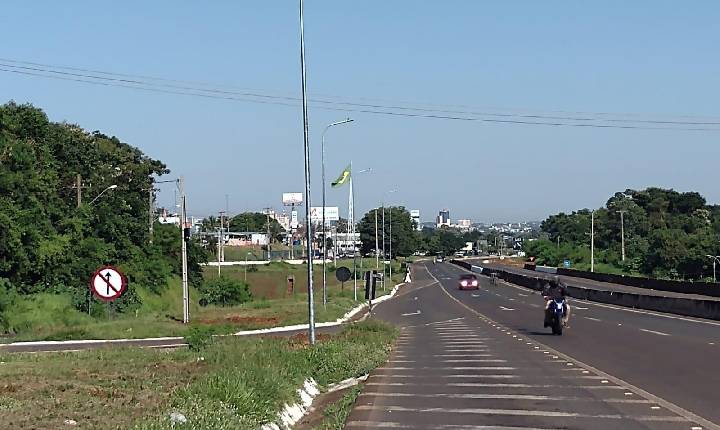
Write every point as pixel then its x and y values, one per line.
pixel 49 243
pixel 402 235
pixel 256 222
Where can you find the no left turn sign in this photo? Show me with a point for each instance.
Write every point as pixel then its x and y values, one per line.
pixel 107 283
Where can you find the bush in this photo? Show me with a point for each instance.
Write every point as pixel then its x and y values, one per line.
pixel 7 297
pixel 199 337
pixel 224 292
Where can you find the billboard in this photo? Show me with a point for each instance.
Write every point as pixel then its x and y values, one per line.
pixel 332 213
pixel 290 199
pixel 415 213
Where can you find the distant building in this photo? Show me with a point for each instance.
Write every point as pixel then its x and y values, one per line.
pixel 443 218
pixel 464 223
pixel 415 216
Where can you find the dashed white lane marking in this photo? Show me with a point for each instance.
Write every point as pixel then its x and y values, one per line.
pixel 506 309
pixel 659 333
pixel 445 322
pixel 396 425
pixel 510 397
pixel 582 309
pixel 477 360
pixel 450 368
pixel 475 295
pixel 460 355
pixel 519 412
pixel 593 319
pixel 492 385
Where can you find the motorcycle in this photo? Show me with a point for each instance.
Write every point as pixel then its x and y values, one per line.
pixel 557 312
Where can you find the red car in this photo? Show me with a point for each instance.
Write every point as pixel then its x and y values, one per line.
pixel 468 282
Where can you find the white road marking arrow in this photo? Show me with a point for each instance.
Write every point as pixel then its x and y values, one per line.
pixel 412 313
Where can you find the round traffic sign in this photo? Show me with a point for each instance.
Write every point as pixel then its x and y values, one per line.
pixel 107 283
pixel 343 274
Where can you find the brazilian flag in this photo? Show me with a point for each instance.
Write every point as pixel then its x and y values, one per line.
pixel 343 178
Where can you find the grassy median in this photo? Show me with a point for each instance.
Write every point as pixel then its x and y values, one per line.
pixel 231 384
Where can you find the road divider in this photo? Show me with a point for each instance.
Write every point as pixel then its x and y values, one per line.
pixel 690 307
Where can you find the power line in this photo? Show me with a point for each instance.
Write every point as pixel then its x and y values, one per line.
pixel 375 109
pixel 212 87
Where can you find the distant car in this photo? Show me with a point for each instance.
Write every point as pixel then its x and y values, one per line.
pixel 439 259
pixel 468 282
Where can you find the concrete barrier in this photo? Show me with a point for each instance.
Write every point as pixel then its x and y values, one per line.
pixel 699 308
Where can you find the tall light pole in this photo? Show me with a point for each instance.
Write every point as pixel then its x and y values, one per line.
pixel 111 187
pixel 324 232
pixel 306 149
pixel 715 259
pixel 390 263
pixel 592 241
pixel 377 246
pixel 246 257
pixel 622 232
pixel 352 225
pixel 183 238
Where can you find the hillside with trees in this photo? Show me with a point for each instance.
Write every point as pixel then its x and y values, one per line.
pixel 50 242
pixel 668 234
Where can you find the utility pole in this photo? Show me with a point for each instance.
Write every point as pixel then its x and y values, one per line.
pixel 269 238
pixel 622 232
pixel 220 241
pixel 78 186
pixel 183 221
pixel 391 238
pixel 306 148
pixel 383 245
pixel 151 211
pixel 592 241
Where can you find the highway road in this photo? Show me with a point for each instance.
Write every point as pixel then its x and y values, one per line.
pixel 482 360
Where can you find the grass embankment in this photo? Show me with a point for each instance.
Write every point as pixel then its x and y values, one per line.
pixel 52 317
pixel 233 384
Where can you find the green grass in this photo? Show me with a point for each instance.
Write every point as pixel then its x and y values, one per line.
pixel 236 383
pixel 52 317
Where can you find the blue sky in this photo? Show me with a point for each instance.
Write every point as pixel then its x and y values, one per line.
pixel 640 59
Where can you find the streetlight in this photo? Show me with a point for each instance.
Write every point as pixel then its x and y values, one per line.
pixel 622 231
pixel 715 259
pixel 111 187
pixel 383 235
pixel 352 227
pixel 306 151
pixel 246 264
pixel 324 232
pixel 592 241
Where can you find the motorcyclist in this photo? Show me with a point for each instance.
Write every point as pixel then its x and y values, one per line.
pixel 555 289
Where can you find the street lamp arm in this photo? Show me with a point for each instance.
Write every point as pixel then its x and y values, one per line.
pixel 111 187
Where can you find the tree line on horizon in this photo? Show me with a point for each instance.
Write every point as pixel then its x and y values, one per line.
pixel 668 234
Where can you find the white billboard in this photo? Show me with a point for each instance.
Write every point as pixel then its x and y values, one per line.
pixel 415 213
pixel 290 199
pixel 332 213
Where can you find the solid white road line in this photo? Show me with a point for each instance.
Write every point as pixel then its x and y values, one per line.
pixel 659 333
pixel 520 412
pixel 495 385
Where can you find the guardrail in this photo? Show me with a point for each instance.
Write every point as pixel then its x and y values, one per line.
pixel 699 308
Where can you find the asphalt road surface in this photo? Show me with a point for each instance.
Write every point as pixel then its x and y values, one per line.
pixel 482 360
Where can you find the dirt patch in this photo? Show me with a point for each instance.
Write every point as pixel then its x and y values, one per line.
pixel 316 415
pixel 300 340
